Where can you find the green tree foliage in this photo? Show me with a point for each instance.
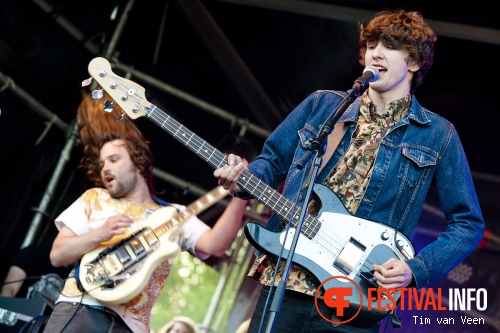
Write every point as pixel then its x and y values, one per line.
pixel 188 291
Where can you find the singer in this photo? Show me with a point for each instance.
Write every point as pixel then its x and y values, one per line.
pixel 380 161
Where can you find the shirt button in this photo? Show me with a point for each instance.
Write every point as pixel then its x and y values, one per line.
pixel 300 197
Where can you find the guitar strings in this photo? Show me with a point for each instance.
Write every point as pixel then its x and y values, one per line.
pixel 319 234
pixel 335 242
pixel 221 161
pixel 191 138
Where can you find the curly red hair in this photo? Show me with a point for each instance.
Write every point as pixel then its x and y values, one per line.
pixel 96 127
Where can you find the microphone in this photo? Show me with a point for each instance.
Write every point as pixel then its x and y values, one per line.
pixel 370 74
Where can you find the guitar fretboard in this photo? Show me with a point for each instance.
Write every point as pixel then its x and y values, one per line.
pixel 271 198
pixel 194 208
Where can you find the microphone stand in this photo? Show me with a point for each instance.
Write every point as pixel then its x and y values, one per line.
pixel 314 148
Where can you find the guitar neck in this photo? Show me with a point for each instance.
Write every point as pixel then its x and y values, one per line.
pixel 267 195
pixel 194 208
pixel 131 98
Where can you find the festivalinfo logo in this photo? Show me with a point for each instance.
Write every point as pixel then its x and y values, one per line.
pixel 388 299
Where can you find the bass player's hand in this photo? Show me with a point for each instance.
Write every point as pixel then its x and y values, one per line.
pixel 393 273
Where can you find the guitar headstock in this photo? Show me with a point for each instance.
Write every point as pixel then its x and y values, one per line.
pixel 127 94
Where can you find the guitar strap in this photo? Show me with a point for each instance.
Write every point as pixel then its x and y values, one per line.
pixel 333 142
pixel 161 202
pixel 77 274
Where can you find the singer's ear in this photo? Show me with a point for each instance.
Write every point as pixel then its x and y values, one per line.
pixel 413 67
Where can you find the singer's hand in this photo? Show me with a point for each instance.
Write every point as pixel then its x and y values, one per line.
pixel 228 175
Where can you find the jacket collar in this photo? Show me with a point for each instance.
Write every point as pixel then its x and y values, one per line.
pixel 416 113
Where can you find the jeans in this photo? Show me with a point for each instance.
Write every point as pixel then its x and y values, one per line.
pixel 298 314
pixel 74 317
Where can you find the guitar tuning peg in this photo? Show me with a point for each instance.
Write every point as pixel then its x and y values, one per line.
pixel 96 94
pixel 120 117
pixel 87 82
pixel 108 106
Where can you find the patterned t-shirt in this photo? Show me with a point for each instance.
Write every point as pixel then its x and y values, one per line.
pixel 348 179
pixel 90 211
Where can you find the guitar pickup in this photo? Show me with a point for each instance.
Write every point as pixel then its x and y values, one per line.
pixel 123 255
pixel 150 237
pixel 349 256
pixel 137 246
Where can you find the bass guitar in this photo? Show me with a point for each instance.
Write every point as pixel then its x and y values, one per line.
pixel 116 273
pixel 332 244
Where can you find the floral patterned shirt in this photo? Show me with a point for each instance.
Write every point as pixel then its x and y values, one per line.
pixel 349 180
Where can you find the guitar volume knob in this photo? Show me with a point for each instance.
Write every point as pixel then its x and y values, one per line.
pixel 384 235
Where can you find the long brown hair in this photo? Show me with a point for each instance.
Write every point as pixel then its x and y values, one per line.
pixel 96 127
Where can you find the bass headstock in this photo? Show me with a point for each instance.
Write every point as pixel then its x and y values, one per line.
pixel 129 95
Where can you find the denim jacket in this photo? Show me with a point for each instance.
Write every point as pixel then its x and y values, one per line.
pixel 422 149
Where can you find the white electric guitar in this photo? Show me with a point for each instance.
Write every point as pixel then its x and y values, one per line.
pixel 332 244
pixel 116 273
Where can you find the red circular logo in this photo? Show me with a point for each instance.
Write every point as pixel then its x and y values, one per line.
pixel 339 292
